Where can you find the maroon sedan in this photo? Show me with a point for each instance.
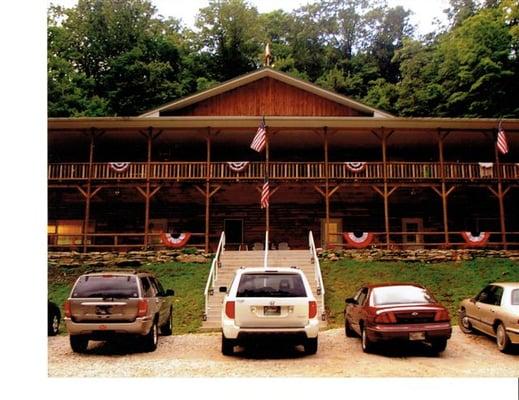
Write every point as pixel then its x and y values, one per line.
pixel 396 311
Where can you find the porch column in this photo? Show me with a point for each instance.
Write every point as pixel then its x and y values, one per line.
pixel 88 194
pixel 386 195
pixel 500 195
pixel 207 188
pixel 327 190
pixel 443 194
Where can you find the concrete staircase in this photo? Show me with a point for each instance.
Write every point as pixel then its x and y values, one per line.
pixel 232 260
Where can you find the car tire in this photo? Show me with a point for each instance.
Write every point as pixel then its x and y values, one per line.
pixel 366 343
pixel 227 346
pixel 438 346
pixel 78 343
pixel 311 345
pixel 349 332
pixel 167 328
pixel 151 340
pixel 502 339
pixel 54 319
pixel 464 322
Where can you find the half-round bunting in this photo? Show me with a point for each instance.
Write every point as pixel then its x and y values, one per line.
pixel 355 166
pixel 476 240
pixel 237 166
pixel 175 242
pixel 358 241
pixel 119 166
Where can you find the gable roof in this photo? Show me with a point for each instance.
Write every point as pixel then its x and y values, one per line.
pixel 265 72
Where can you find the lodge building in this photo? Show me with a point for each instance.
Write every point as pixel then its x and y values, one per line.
pixel 333 166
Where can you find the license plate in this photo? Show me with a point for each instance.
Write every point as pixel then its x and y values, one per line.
pixel 271 310
pixel 103 310
pixel 416 335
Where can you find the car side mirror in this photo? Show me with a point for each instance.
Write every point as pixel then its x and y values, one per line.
pixel 222 289
pixel 351 300
pixel 170 292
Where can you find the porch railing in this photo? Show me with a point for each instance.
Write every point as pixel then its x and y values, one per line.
pixel 395 170
pixel 213 274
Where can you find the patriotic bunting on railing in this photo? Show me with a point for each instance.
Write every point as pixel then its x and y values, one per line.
pixel 175 242
pixel 476 240
pixel 119 166
pixel 359 242
pixel 238 166
pixel 355 166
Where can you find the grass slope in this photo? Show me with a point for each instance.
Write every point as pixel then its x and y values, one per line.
pixel 448 282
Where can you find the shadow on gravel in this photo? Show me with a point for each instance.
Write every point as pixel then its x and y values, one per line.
pixel 119 347
pixel 406 349
pixel 264 351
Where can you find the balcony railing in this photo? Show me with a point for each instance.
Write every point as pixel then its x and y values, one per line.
pixel 372 171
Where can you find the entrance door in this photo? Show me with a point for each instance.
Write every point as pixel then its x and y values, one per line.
pixel 412 240
pixel 334 232
pixel 233 229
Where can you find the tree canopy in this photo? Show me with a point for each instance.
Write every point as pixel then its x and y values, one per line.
pixel 121 57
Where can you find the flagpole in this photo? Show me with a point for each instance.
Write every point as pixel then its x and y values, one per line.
pixel 500 194
pixel 267 209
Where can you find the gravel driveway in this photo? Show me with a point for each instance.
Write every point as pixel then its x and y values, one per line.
pixel 198 355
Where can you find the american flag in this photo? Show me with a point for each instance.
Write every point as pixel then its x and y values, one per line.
pixel 265 194
pixel 258 143
pixel 502 143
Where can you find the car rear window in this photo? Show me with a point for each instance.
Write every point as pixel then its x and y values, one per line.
pixel 104 286
pixel 515 297
pixel 400 295
pixel 271 285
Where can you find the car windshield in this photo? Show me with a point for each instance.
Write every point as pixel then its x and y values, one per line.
pixel 515 297
pixel 400 295
pixel 271 285
pixel 106 286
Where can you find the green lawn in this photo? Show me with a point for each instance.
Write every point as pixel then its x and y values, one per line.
pixel 449 282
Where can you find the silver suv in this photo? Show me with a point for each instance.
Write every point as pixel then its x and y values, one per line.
pixel 104 305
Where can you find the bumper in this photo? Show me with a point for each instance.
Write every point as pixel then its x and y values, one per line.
pixel 141 326
pixel 231 331
pixel 432 331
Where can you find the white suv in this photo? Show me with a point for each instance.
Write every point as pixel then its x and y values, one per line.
pixel 265 302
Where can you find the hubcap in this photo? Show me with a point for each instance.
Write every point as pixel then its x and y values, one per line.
pixel 500 336
pixel 465 322
pixel 55 324
pixel 363 338
pixel 155 335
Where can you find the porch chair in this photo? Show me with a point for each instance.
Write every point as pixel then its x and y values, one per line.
pixel 283 246
pixel 257 246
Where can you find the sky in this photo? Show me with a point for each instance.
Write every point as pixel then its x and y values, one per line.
pixel 425 11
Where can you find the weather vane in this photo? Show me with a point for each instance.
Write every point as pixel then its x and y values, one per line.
pixel 267 58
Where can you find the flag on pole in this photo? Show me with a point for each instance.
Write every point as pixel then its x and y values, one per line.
pixel 259 141
pixel 265 194
pixel 502 143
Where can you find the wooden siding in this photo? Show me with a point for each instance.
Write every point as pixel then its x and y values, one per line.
pixel 270 97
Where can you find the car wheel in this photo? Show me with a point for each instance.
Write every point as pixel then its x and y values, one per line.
pixel 439 345
pixel 464 322
pixel 311 346
pixel 167 328
pixel 367 344
pixel 502 339
pixel 53 322
pixel 78 343
pixel 348 330
pixel 151 340
pixel 227 346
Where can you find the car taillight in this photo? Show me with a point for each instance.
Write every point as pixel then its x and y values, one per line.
pixel 68 311
pixel 385 318
pixel 142 308
pixel 442 315
pixel 229 309
pixel 312 309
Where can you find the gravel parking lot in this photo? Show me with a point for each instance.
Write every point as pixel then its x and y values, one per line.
pixel 198 355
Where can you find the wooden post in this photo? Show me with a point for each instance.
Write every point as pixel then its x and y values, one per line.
pixel 207 188
pixel 88 195
pixel 267 175
pixel 444 194
pixel 500 196
pixel 327 191
pixel 149 138
pixel 386 196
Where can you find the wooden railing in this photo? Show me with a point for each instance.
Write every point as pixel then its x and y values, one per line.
pixel 423 171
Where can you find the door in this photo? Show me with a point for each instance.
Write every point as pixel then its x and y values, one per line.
pixel 485 308
pixel 413 239
pixel 354 311
pixel 233 229
pixel 334 232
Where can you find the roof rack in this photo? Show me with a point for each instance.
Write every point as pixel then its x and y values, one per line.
pixel 108 270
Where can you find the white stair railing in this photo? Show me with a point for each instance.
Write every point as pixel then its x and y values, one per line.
pixel 317 270
pixel 213 274
pixel 265 257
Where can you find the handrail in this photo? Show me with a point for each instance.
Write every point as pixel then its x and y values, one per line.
pixel 265 257
pixel 213 273
pixel 317 269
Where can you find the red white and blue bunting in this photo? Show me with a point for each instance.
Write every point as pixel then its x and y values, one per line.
pixel 355 166
pixel 168 240
pixel 119 166
pixel 359 242
pixel 476 240
pixel 238 166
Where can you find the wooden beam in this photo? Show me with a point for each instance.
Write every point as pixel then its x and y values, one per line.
pixel 96 191
pixel 154 191
pixel 376 189
pixel 448 192
pixel 506 190
pixel 493 191
pixel 318 189
pixel 85 195
pixel 202 191
pixel 438 192
pixel 392 190
pixel 214 191
pixel 332 192
pixel 141 191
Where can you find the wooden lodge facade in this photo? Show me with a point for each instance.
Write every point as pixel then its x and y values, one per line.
pixel 119 183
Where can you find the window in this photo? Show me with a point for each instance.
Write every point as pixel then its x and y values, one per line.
pixel 515 297
pixel 486 296
pixel 401 295
pixel 147 290
pixel 361 299
pixel 106 286
pixel 159 290
pixel 497 294
pixel 271 285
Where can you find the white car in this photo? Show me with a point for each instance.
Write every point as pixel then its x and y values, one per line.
pixel 269 302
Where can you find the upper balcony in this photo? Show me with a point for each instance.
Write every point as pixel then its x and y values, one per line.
pixel 286 171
